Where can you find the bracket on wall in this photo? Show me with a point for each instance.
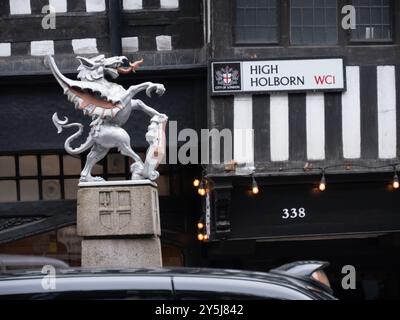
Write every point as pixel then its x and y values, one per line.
pixel 221 208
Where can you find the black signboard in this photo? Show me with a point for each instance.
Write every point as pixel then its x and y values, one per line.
pixel 227 77
pixel 299 210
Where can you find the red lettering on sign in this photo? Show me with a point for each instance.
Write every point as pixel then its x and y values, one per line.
pixel 328 79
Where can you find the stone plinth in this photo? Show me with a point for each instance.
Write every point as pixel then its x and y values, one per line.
pixel 122 253
pixel 120 224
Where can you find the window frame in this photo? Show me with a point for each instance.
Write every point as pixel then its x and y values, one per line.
pixel 256 43
pixel 63 177
pixel 284 29
pixel 351 41
pixel 322 44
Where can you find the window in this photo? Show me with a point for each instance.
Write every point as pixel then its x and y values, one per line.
pixel 62 244
pixel 373 20
pixel 256 21
pixel 56 176
pixel 313 21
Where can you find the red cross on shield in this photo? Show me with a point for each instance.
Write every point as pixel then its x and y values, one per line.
pixel 227 78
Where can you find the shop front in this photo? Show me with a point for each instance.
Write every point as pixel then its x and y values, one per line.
pixel 301 210
pixel 354 222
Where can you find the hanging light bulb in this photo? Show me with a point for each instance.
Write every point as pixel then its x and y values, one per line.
pixel 254 188
pixel 396 183
pixel 202 189
pixel 322 184
pixel 200 237
pixel 200 225
pixel 196 183
pixel 205 237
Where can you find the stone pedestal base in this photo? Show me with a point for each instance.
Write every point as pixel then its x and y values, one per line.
pixel 117 253
pixel 120 224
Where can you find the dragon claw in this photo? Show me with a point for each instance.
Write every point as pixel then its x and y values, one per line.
pixel 160 91
pixel 91 179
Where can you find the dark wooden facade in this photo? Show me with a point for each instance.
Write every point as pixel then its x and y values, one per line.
pixel 298 136
pixel 184 25
pixel 29 95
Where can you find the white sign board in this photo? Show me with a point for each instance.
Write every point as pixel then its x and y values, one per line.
pixel 278 75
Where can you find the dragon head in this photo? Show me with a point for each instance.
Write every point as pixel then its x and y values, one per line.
pixel 92 69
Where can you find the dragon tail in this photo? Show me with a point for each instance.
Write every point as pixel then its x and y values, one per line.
pixel 62 124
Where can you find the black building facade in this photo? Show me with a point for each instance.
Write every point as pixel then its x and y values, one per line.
pixel 289 143
pixel 38 180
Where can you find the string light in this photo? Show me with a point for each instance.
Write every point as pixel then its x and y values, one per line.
pixel 347 166
pixel 254 189
pixel 202 189
pixel 196 183
pixel 201 235
pixel 322 183
pixel 396 183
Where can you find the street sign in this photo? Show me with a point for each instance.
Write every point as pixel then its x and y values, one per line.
pixel 299 75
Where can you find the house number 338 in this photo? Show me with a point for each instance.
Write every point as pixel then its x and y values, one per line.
pixel 294 213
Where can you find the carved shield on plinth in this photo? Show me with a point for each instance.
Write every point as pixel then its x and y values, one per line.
pixel 115 209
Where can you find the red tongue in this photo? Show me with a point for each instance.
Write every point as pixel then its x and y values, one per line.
pixel 133 67
pixel 136 65
pixel 125 70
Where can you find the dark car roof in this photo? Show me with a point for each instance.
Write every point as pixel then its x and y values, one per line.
pixel 295 277
pixel 283 280
pixel 90 272
pixel 87 272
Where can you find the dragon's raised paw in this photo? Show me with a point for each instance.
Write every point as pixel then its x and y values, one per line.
pixel 158 88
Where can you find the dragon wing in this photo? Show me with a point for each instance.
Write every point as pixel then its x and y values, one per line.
pixel 86 96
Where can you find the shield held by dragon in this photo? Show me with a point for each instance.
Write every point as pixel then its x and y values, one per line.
pixel 110 106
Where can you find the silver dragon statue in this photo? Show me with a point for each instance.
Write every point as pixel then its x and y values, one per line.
pixel 110 106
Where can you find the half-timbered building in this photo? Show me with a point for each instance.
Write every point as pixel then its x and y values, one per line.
pixel 291 140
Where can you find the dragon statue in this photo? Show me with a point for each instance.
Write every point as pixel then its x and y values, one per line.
pixel 110 106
